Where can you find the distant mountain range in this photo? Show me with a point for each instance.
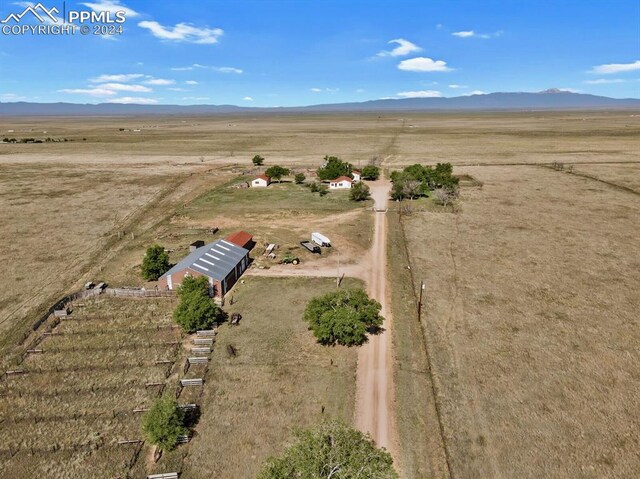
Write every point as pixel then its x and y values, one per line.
pixel 552 99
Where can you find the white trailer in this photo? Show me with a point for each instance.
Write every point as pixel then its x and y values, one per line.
pixel 320 239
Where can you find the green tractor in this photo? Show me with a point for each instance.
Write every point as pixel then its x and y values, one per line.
pixel 290 259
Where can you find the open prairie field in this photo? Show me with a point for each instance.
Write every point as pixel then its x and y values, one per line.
pixel 61 223
pixel 531 324
pixel 64 416
pixel 402 138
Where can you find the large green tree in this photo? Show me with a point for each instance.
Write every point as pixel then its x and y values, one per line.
pixel 163 423
pixel 333 168
pixel 276 172
pixel 196 309
pixel 370 172
pixel 343 317
pixel 155 263
pixel 418 180
pixel 257 160
pixel 331 450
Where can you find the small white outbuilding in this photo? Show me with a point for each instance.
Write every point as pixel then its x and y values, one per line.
pixel 261 181
pixel 357 176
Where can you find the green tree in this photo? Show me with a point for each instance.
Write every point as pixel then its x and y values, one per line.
pixel 276 172
pixel 343 317
pixel 370 172
pixel 359 192
pixel 155 263
pixel 196 309
pixel 333 168
pixel 163 423
pixel 299 178
pixel 330 450
pixel 258 160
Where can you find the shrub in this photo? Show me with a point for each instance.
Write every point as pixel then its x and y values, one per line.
pixel 331 450
pixel 163 423
pixel 196 309
pixel 343 317
pixel 314 187
pixel 155 263
pixel 299 178
pixel 257 160
pixel 323 189
pixel 359 192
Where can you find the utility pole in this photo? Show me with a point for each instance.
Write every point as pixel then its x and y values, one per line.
pixel 422 288
pixel 338 272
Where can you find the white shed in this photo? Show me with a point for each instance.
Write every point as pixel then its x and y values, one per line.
pixel 357 176
pixel 261 181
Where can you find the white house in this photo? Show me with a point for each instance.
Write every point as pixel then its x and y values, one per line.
pixel 261 181
pixel 356 175
pixel 342 183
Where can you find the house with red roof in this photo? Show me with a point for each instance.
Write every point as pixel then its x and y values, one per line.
pixel 260 181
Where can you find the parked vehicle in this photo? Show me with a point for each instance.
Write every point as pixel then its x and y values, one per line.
pixel 320 240
pixel 311 247
pixel 290 259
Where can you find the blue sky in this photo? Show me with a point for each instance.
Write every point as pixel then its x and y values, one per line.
pixel 300 52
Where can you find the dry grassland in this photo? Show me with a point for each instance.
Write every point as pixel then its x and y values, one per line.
pixel 281 379
pixel 64 418
pixel 531 321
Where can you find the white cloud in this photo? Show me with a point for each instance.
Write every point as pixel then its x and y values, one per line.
pixel 360 90
pixel 475 92
pixel 474 34
pixel 603 81
pixel 177 89
pixel 116 78
pixel 11 97
pixel 191 82
pixel 455 87
pixel 199 98
pixel 423 64
pixel 247 98
pixel 132 100
pixel 111 6
pixel 465 34
pixel 405 47
pixel 159 81
pixel 183 32
pixel 420 94
pixel 98 91
pixel 616 68
pixel 208 67
pixel 126 87
pixel 327 90
pixel 237 71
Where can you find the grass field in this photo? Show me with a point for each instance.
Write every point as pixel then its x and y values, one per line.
pixel 529 323
pixel 532 294
pixel 280 380
pixel 64 418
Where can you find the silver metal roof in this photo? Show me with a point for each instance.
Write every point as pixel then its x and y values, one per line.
pixel 215 260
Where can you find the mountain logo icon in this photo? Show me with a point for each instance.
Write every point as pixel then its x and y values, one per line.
pixel 38 11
